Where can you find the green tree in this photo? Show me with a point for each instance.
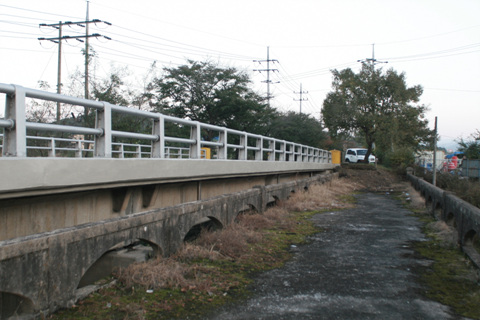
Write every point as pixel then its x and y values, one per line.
pixel 471 148
pixel 205 92
pixel 378 106
pixel 299 128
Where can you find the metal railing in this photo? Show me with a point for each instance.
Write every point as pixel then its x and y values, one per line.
pixel 160 143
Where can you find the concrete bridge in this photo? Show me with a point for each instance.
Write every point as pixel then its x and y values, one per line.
pixel 70 195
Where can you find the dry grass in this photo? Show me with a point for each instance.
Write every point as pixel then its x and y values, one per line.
pixel 447 235
pixel 190 252
pixel 155 274
pixel 323 196
pixel 232 243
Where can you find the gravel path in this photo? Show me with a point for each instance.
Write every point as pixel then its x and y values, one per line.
pixel 360 267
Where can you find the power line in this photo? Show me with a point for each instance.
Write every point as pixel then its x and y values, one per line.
pixel 61 38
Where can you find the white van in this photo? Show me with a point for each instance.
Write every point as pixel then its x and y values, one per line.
pixel 358 154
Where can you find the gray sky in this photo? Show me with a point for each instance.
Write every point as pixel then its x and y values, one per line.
pixel 436 43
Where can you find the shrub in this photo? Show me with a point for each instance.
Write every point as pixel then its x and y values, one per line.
pixel 400 159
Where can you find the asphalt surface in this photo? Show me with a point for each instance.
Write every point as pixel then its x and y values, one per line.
pixel 360 267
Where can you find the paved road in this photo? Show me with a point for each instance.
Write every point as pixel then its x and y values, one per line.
pixel 361 267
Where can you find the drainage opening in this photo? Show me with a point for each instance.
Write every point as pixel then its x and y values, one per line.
pixel 119 256
pixel 209 224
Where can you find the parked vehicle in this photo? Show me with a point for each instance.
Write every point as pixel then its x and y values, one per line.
pixel 355 155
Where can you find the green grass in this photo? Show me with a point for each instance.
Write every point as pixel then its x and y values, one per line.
pixel 451 279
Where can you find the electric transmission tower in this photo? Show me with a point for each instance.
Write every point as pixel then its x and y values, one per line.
pixel 268 70
pixel 61 37
pixel 301 99
pixel 372 61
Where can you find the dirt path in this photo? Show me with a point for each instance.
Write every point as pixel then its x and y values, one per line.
pixel 360 267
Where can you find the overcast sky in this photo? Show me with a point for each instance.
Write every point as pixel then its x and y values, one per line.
pixel 435 43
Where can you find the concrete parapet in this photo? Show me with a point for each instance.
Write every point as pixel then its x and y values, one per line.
pixel 461 215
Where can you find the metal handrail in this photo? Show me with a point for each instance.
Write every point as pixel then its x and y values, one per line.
pixel 248 146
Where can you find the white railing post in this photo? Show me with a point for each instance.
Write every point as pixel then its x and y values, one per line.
pixel 288 151
pixel 271 146
pixel 242 152
pixel 310 154
pixel 122 151
pixel 15 138
pixel 103 143
pixel 195 134
pixel 51 150
pixel 259 151
pixel 281 156
pixel 78 149
pixel 222 150
pixel 158 146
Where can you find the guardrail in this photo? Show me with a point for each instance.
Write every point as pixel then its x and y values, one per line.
pixel 227 144
pixel 80 148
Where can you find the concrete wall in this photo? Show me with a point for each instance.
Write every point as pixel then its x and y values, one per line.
pixel 40 176
pixel 42 194
pixel 454 211
pixel 43 270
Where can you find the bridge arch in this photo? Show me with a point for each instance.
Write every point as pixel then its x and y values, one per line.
pixel 14 305
pixel 208 223
pixel 429 202
pixel 450 219
pixel 472 239
pixel 120 255
pixel 437 209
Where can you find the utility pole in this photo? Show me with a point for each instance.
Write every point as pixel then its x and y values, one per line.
pixel 59 74
pixel 372 61
pixel 59 40
pixel 301 99
pixel 86 57
pixel 268 81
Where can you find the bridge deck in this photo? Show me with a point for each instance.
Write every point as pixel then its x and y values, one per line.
pixel 35 176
